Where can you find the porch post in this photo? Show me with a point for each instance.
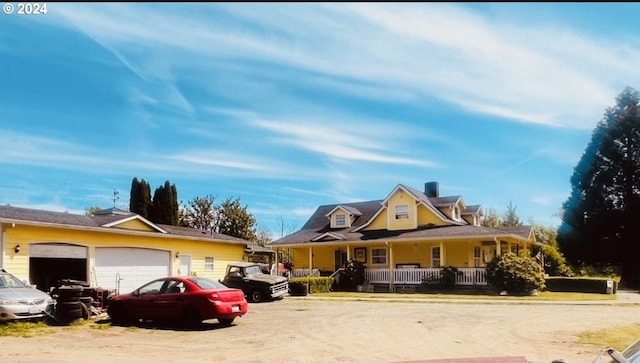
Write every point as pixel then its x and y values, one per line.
pixel 391 269
pixel 443 256
pixel 310 260
pixel 348 253
pixel 498 253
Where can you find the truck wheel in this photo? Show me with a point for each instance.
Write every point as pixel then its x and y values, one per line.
pixel 255 296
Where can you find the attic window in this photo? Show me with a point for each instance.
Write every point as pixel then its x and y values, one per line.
pixel 341 220
pixel 402 211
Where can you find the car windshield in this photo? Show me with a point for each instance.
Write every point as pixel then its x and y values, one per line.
pixel 8 280
pixel 207 284
pixel 253 270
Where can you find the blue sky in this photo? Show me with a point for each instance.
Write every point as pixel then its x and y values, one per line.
pixel 292 106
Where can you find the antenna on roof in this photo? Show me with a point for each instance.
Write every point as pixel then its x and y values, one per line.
pixel 116 196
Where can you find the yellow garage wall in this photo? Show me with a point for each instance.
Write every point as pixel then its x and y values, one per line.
pixel 401 198
pixel 135 224
pixel 18 264
pixel 426 216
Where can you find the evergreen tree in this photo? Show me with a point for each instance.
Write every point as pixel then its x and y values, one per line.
pixel 140 197
pixel 511 218
pixel 164 208
pixel 600 216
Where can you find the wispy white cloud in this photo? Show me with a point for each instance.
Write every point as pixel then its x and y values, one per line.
pixel 446 51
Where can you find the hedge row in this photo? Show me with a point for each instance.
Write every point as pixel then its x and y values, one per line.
pixel 298 285
pixel 576 284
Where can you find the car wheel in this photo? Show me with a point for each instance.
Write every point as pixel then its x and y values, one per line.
pixel 191 317
pixel 118 314
pixel 255 296
pixel 225 322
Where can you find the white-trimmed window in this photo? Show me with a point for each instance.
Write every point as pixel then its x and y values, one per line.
pixel 208 263
pixel 378 256
pixel 455 214
pixel 341 220
pixel 435 256
pixel 402 211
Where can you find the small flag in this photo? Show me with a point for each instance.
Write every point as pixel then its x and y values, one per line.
pixel 540 258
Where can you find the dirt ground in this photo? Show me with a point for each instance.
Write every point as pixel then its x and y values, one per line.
pixel 318 330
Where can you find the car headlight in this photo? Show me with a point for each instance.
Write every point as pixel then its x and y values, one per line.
pixel 8 302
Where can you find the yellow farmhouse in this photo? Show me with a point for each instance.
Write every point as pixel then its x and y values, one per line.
pixel 408 236
pixel 111 249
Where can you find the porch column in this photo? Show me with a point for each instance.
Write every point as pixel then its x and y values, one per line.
pixel 276 262
pixel 391 269
pixel 443 256
pixel 310 260
pixel 498 253
pixel 348 252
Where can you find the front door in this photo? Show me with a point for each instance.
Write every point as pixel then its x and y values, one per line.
pixel 340 259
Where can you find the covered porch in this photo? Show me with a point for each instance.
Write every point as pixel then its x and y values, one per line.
pixel 465 276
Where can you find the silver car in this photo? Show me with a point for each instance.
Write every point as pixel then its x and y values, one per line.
pixel 19 301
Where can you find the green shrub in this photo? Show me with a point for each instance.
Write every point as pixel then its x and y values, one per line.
pixel 515 274
pixel 445 280
pixel 576 284
pixel 554 262
pixel 316 284
pixel 297 288
pixel 351 276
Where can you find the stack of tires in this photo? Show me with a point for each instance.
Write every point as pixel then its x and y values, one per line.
pixel 71 305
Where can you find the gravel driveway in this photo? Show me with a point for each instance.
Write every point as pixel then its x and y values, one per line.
pixel 319 330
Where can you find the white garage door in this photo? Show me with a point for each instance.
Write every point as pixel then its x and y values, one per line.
pixel 134 267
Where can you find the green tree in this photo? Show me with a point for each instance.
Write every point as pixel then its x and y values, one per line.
pixel 234 220
pixel 90 210
pixel 599 223
pixel 200 213
pixel 164 208
pixel 140 197
pixel 511 218
pixel 491 219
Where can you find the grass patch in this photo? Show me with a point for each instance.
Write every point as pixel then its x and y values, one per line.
pixel 618 338
pixel 24 329
pixel 544 295
pixel 100 326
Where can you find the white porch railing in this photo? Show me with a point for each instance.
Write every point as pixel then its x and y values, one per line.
pixel 464 276
pixel 304 272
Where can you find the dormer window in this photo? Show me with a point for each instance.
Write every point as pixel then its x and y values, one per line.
pixel 455 215
pixel 402 211
pixel 341 220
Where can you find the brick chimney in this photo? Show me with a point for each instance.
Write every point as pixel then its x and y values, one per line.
pixel 432 189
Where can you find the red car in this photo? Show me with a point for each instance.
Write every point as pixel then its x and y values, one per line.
pixel 185 299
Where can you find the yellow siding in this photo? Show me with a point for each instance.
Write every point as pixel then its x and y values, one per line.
pixel 380 222
pixel 18 264
pixel 411 253
pixel 401 198
pixel 134 224
pixel 457 254
pixel 323 258
pixel 426 216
